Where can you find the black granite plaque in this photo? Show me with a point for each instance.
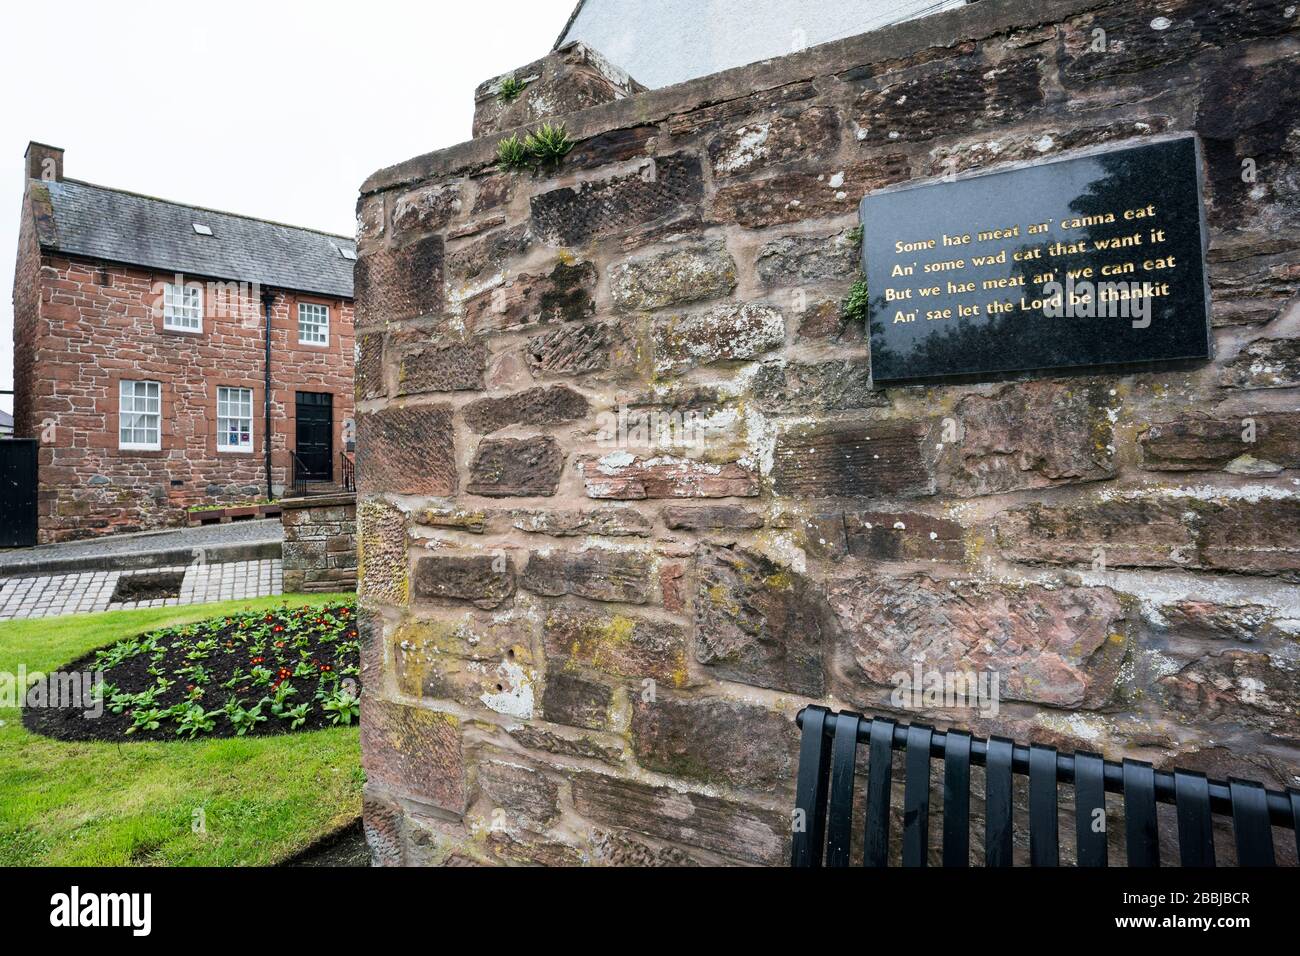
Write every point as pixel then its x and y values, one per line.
pixel 1093 260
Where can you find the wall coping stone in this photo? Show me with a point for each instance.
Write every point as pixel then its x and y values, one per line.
pixel 318 501
pixel 942 30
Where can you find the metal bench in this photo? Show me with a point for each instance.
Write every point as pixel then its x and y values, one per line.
pixel 825 793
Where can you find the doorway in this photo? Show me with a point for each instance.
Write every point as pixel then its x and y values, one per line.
pixel 315 437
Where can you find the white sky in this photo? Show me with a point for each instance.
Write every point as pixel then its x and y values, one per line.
pixel 274 109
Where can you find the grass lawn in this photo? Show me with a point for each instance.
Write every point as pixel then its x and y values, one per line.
pixel 132 804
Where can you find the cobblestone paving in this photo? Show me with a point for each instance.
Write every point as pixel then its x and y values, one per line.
pixel 52 595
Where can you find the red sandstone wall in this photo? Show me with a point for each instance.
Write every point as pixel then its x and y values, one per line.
pixel 27 326
pixel 581 649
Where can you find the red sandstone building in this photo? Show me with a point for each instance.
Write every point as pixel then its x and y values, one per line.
pixel 142 358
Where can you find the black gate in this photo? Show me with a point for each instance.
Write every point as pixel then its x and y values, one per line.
pixel 315 436
pixel 17 492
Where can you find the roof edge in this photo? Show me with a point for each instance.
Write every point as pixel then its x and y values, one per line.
pixel 83 257
pixel 568 25
pixel 219 212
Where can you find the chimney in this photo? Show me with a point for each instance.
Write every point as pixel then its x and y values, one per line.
pixel 44 162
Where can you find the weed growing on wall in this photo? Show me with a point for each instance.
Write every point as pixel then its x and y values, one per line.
pixel 854 306
pixel 548 144
pixel 511 89
pixel 543 148
pixel 512 154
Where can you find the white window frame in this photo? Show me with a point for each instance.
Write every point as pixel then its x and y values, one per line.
pixel 234 398
pixel 318 313
pixel 183 307
pixel 134 400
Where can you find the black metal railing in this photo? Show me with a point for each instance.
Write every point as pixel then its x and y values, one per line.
pixel 826 789
pixel 348 471
pixel 303 480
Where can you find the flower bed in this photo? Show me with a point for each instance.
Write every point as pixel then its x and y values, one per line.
pixel 248 674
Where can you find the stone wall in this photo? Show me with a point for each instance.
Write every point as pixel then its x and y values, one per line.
pixel 320 543
pixel 587 638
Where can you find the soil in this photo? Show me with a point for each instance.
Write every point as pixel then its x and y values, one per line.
pixel 345 847
pixel 148 587
pixel 325 637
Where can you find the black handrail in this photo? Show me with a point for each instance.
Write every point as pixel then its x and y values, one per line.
pixel 348 471
pixel 298 475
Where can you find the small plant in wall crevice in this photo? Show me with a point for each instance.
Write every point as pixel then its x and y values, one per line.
pixel 544 148
pixel 511 89
pixel 512 154
pixel 548 144
pixel 854 307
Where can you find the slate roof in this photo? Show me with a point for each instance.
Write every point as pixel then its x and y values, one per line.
pixel 102 223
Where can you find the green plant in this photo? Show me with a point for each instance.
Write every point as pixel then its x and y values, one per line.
pixel 280 702
pixel 297 716
pixel 146 718
pixel 854 306
pixel 855 236
pixel 342 707
pixel 194 720
pixel 512 153
pixel 510 89
pixel 548 144
pixel 194 674
pixel 244 719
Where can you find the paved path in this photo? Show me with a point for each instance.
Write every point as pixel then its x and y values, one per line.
pixel 51 595
pixel 146 542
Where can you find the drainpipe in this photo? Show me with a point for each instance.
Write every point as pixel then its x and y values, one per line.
pixel 268 300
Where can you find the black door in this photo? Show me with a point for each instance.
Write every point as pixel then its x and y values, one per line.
pixel 315 448
pixel 17 492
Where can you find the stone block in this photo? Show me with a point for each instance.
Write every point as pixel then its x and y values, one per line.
pixel 534 406
pixel 407 451
pixel 723 333
pixel 620 644
pixel 685 273
pixel 484 580
pixel 504 467
pixel 391 284
pixel 442 368
pixel 740 831
pixel 598 574
pixel 630 477
pixel 667 188
pixel 758 622
pixel 413 752
pixel 851 460
pixel 571 78
pixel 1061 646
pixel 716 741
